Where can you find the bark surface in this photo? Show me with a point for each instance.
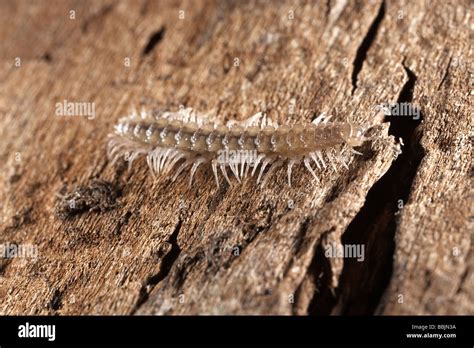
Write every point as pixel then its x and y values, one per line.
pixel 113 241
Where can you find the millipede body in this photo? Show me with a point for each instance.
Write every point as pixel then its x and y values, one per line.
pixel 182 140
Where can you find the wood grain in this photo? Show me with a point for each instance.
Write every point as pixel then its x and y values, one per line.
pixel 137 246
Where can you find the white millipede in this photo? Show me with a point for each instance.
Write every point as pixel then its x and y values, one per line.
pixel 176 141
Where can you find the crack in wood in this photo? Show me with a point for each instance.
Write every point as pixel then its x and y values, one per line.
pixel 365 45
pixel 121 223
pixel 321 273
pixel 166 264
pixel 154 40
pixel 328 10
pixel 362 284
pixel 445 75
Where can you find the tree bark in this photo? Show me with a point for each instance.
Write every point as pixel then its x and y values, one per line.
pixel 114 241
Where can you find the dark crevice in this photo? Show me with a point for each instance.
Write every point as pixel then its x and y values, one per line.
pixel 362 284
pixel 10 248
pixel 364 47
pixel 169 259
pixel 335 191
pixel 4 263
pixel 154 39
pixel 56 301
pixel 324 298
pixel 298 242
pixel 302 231
pixel 463 279
pixel 166 264
pixel 328 9
pixel 443 79
pixel 404 126
pixel 121 223
pixel 183 268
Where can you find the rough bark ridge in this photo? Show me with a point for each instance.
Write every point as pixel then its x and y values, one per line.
pixel 130 245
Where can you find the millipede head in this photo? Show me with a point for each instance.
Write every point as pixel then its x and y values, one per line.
pixel 353 134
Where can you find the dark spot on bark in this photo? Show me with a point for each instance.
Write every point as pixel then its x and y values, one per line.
pixel 30 191
pixel 99 195
pixel 56 301
pixel 22 217
pixel 4 262
pixel 47 57
pixel 336 190
pixel 328 10
pixel 154 39
pixel 122 222
pixel 14 178
pixel 227 63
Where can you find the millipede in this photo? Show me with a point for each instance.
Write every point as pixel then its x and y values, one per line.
pixel 182 140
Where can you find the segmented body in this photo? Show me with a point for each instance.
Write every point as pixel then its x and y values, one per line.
pixel 185 140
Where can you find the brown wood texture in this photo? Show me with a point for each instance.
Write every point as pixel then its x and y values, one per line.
pixel 131 245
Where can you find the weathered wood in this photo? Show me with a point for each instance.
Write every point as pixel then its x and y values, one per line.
pixel 132 245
